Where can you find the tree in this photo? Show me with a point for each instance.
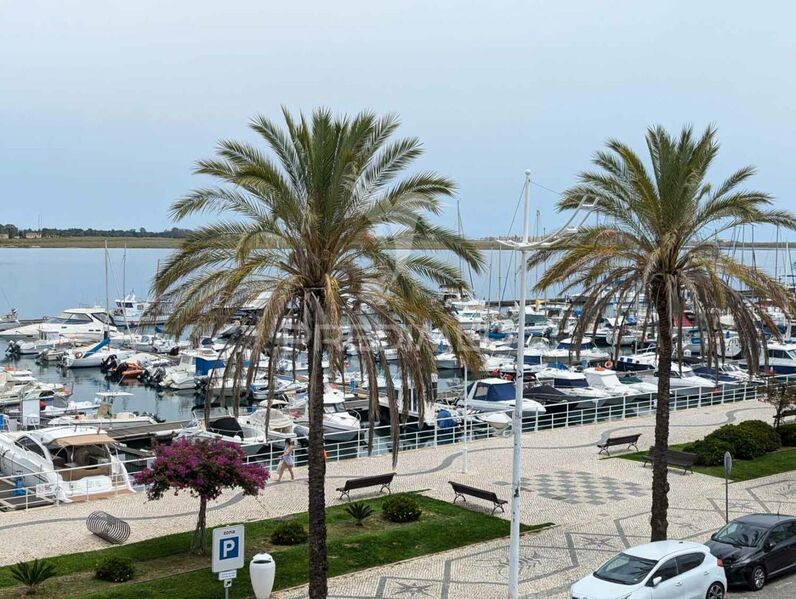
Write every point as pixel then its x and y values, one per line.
pixel 781 396
pixel 320 231
pixel 658 240
pixel 203 468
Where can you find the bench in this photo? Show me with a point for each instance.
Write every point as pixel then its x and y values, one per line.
pixel 110 528
pixel 461 490
pixel 675 458
pixel 787 414
pixel 629 440
pixel 381 480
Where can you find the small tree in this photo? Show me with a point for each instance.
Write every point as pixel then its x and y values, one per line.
pixel 782 396
pixel 204 468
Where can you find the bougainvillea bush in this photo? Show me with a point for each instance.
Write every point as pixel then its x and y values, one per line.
pixel 204 468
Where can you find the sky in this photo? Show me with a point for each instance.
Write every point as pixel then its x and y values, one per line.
pixel 105 106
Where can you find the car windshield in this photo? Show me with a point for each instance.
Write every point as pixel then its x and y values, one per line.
pixel 740 535
pixel 625 569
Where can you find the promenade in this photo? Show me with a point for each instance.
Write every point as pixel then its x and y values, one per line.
pixel 599 506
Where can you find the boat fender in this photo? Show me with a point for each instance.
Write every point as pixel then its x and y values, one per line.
pixel 78 354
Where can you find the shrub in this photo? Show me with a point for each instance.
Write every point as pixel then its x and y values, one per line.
pixel 289 533
pixel 763 433
pixel 744 444
pixel 401 508
pixel 710 452
pixel 115 569
pixel 32 574
pixel 359 511
pixel 787 432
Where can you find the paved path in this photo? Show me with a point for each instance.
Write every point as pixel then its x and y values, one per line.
pixel 600 506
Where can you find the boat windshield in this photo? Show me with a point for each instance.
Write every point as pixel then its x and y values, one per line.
pixel 497 392
pixel 70 318
pixel 739 534
pixel 570 383
pixel 625 569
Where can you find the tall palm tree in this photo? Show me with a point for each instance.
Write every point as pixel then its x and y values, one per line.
pixel 658 237
pixel 321 229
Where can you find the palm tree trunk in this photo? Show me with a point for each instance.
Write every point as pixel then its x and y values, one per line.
pixel 317 473
pixel 660 472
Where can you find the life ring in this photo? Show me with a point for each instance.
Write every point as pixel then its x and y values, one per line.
pixel 608 364
pixel 507 377
pixel 78 354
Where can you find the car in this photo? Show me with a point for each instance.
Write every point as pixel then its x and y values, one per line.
pixel 659 570
pixel 756 547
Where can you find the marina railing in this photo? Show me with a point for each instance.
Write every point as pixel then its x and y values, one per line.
pixel 35 489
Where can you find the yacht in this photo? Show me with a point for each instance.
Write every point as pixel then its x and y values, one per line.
pixel 93 356
pixel 573 385
pixel 79 324
pixel 729 373
pixel 683 381
pixel 607 380
pixel 193 363
pixel 132 312
pixel 280 425
pixel 9 321
pixel 226 427
pixel 498 395
pixel 338 423
pixel 646 359
pixel 470 319
pixel 781 358
pixel 68 463
pixel 567 350
pixel 446 361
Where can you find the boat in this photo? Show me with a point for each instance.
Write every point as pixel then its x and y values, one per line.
pixel 226 427
pixel 779 358
pixel 79 324
pixel 193 363
pixel 568 350
pixel 498 395
pixel 67 463
pixel 607 380
pixel 646 359
pixel 280 425
pixel 446 361
pixel 574 385
pixel 93 356
pixel 9 321
pixel 683 381
pixel 338 423
pixel 104 419
pixel 130 311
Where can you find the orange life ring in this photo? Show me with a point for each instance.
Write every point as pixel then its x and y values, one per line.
pixel 608 364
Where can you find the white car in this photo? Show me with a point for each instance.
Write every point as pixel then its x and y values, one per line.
pixel 660 570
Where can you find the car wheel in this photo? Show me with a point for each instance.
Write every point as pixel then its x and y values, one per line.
pixel 715 591
pixel 757 579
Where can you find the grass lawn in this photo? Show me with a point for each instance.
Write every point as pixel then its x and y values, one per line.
pixel 166 570
pixel 782 460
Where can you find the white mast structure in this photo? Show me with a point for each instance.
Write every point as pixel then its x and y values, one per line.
pixel 523 247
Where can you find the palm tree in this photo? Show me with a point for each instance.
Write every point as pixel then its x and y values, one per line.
pixel 658 237
pixel 321 230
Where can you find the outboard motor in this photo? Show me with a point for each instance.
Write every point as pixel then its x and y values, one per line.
pixel 108 364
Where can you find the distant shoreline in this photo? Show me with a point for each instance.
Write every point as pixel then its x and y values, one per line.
pixel 93 242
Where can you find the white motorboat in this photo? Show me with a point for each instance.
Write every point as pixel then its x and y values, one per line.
pixel 470 319
pixel 607 380
pixel 193 363
pixel 575 386
pixel 92 356
pixel 781 358
pixel 499 395
pixel 446 361
pixel 66 463
pixel 683 381
pixel 280 425
pixel 338 423
pixel 79 324
pixel 226 427
pixel 9 321
pixel 567 350
pixel 132 312
pixel 646 359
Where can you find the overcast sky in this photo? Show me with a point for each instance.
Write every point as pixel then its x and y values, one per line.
pixel 105 106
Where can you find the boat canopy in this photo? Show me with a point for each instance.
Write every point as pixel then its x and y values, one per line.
pixel 497 391
pixel 81 440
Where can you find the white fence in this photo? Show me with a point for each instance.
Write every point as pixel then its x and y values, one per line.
pixel 37 489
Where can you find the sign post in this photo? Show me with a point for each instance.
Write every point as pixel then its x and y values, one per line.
pixel 228 548
pixel 727 472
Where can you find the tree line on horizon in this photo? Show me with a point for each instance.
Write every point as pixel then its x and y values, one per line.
pixel 13 232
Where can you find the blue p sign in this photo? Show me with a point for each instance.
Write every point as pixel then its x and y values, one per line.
pixel 230 548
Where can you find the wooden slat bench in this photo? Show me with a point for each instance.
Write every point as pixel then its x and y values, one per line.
pixel 381 480
pixel 680 459
pixel 461 490
pixel 629 440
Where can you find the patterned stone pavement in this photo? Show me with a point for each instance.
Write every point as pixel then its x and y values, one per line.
pixel 600 506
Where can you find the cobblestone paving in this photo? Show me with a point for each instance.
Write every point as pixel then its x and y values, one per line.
pixel 600 506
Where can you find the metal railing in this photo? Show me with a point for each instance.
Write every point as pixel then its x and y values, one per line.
pixel 16 494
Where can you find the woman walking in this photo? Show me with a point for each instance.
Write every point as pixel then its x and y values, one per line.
pixel 287 460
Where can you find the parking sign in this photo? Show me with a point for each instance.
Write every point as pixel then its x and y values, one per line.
pixel 228 546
